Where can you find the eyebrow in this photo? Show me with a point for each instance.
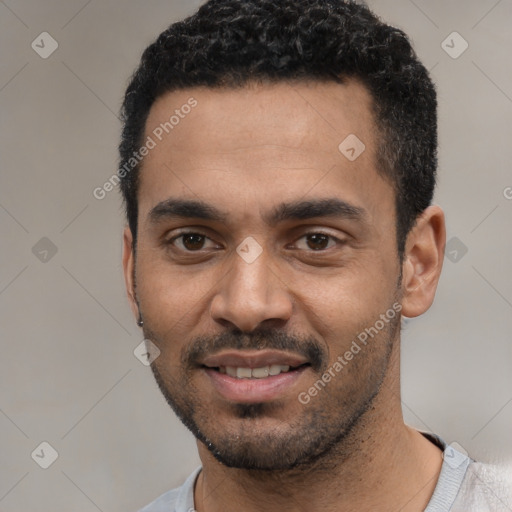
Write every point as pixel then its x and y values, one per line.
pixel 173 208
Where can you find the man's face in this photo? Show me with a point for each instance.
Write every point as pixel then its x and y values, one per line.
pixel 291 257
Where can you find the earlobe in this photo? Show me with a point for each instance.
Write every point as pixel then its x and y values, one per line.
pixel 423 262
pixel 129 269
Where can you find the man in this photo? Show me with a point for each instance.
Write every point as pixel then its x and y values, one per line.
pixel 278 164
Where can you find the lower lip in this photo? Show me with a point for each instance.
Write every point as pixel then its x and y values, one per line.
pixel 253 390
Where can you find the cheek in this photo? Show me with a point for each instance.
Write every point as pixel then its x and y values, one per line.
pixel 173 299
pixel 169 298
pixel 346 302
pixel 358 286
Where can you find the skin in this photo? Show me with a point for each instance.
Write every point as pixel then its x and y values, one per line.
pixel 245 151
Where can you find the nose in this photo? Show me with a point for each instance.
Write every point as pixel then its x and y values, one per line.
pixel 251 295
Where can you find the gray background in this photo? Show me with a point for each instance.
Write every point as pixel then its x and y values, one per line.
pixel 68 375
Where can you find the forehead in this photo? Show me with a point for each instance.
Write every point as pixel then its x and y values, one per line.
pixel 288 113
pixel 272 140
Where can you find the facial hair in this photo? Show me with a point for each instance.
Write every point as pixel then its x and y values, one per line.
pixel 301 440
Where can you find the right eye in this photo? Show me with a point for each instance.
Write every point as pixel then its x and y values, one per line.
pixel 189 241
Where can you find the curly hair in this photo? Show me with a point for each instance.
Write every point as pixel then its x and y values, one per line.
pixel 229 43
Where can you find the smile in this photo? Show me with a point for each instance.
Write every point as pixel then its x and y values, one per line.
pixel 254 373
pixel 254 376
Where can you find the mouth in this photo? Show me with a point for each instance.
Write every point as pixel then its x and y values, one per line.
pixel 254 377
pixel 262 372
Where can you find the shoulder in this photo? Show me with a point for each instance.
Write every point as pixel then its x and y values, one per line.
pixel 486 488
pixel 180 499
pixel 466 485
pixel 164 503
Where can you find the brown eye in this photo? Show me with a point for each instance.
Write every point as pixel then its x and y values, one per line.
pixel 316 242
pixel 191 242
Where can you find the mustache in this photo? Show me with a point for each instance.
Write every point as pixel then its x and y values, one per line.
pixel 307 346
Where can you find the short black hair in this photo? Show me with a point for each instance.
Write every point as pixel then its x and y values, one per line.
pixel 230 43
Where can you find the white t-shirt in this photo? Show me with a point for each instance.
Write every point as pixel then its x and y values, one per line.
pixel 463 486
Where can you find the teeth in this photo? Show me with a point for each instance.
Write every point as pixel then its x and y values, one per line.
pixel 260 373
pixel 231 371
pixel 243 373
pixel 276 369
pixel 255 373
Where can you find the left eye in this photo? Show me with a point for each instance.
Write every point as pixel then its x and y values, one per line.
pixel 318 241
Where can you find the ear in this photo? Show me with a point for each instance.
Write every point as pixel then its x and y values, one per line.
pixel 423 261
pixel 129 269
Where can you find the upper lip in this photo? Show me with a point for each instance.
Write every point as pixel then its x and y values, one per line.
pixel 252 359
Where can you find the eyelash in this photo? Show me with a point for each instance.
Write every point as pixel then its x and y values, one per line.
pixel 185 233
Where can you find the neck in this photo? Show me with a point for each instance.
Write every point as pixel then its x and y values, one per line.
pixel 382 464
